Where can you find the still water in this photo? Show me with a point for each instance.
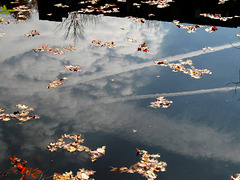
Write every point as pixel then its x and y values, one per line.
pixel 197 136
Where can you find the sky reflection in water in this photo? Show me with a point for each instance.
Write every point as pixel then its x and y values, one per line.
pixel 197 136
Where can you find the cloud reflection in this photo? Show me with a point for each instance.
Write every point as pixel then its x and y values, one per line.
pixel 79 106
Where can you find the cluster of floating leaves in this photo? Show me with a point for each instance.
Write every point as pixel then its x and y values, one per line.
pixel 143 47
pixel 56 83
pixel 7 21
pixel 215 16
pixel 56 50
pixel 76 146
pixel 193 72
pixel 148 166
pixel 99 43
pixel 73 68
pixel 32 33
pixel 107 8
pixel 22 10
pixel 22 114
pixel 191 29
pixel 82 174
pixel 142 20
pixel 159 3
pixel 161 102
pixel 21 167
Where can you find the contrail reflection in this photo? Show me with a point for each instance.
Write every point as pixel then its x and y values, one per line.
pixel 201 91
pixel 111 72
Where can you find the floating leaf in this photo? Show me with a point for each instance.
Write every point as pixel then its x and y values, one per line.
pixel 235 177
pixel 73 68
pixel 71 149
pixel 211 29
pixel 143 47
pixel 161 102
pixel 222 1
pixel 159 3
pixel 6 119
pixel 207 48
pixel 56 83
pixel 32 33
pixel 2 34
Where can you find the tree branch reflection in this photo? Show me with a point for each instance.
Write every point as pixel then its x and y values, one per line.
pixel 74 25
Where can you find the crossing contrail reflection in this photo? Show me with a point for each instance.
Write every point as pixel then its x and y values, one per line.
pixel 119 70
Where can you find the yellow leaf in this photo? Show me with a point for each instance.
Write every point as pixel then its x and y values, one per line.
pixel 71 149
pixel 6 119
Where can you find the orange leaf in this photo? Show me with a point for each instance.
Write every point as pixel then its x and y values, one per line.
pixel 27 178
pixel 21 178
pixel 38 172
pixel 138 151
pixel 34 175
pixel 19 166
pixel 28 172
pixel 35 169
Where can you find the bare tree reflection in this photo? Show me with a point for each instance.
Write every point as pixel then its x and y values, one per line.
pixel 74 25
pixel 237 84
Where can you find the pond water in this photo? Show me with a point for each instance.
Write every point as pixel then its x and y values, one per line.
pixel 108 102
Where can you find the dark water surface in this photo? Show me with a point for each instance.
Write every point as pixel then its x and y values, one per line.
pixel 198 135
